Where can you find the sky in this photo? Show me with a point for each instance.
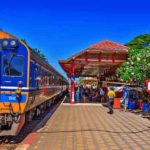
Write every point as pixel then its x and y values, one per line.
pixel 62 28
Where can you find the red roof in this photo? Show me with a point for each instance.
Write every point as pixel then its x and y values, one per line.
pixel 102 58
pixel 108 45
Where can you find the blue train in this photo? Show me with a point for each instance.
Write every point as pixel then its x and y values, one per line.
pixel 27 84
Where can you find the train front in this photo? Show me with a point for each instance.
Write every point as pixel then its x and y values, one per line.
pixel 14 74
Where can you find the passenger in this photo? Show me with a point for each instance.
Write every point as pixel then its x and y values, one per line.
pixel 96 97
pixel 101 92
pixel 86 91
pixel 111 95
pixel 77 94
pixel 86 94
pixel 125 99
pixel 81 92
pixel 91 90
pixel 105 97
pixel 67 95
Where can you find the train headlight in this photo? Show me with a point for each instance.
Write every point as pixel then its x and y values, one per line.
pixel 13 43
pixel 5 43
pixel 9 44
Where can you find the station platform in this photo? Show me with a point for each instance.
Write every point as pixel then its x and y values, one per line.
pixel 90 127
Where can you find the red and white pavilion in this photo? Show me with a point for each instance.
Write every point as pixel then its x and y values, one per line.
pixel 99 60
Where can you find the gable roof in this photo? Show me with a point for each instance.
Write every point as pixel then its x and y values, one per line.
pixel 101 58
pixel 108 45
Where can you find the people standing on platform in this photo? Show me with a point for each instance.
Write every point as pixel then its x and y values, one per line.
pixel 86 91
pixel 101 92
pixel 125 99
pixel 67 95
pixel 94 96
pixel 77 99
pixel 105 97
pixel 81 92
pixel 97 95
pixel 111 96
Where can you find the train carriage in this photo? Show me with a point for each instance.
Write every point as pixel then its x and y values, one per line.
pixel 27 84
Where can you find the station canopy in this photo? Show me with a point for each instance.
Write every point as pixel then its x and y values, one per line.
pixel 101 59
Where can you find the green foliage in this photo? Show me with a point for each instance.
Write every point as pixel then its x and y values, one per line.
pixel 37 51
pixel 137 68
pixel 40 54
pixel 140 42
pixel 80 81
pixel 24 41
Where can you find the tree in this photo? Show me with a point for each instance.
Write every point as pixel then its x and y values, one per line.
pixel 140 42
pixel 37 51
pixel 40 54
pixel 137 68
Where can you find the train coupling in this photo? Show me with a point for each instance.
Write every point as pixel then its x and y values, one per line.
pixel 18 92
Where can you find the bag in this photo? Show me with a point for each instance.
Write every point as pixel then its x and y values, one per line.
pixel 122 100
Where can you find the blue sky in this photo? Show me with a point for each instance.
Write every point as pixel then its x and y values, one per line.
pixel 62 28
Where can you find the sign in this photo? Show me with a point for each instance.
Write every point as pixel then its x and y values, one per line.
pixel 148 85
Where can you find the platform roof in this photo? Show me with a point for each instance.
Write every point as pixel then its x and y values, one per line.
pixel 97 60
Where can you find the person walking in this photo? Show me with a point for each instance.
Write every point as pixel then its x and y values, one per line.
pixel 111 95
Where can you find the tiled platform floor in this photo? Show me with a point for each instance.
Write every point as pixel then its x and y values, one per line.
pixel 89 127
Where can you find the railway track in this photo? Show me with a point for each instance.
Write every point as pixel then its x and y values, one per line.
pixel 11 143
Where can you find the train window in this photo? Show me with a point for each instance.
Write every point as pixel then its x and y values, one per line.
pixel 13 65
pixel 47 79
pixel 53 80
pixel 50 78
pixel 35 69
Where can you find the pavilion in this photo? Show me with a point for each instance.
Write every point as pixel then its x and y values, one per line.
pixel 99 60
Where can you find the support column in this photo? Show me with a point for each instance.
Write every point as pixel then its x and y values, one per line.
pixel 72 85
